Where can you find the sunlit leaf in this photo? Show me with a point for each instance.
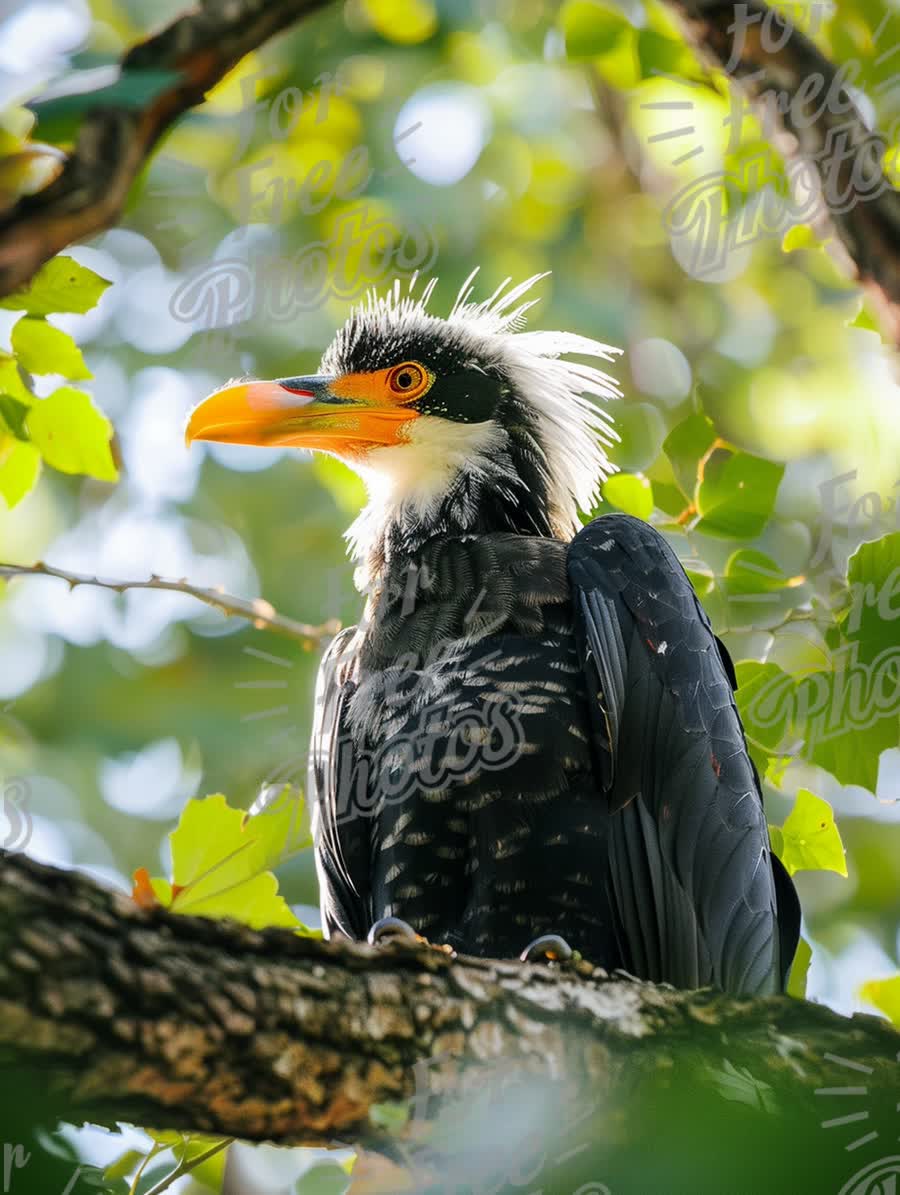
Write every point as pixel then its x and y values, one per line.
pixel 630 492
pixel 221 857
pixel 404 21
pixel 61 285
pixel 872 620
pixel 686 445
pixel 13 413
pixel 20 467
pixel 737 494
pixel 325 1178
pixel 750 571
pixel 41 348
pixel 341 482
pixel 885 995
pixel 809 839
pixel 591 29
pixel 702 582
pixel 11 380
pixel 800 970
pixel 799 236
pixel 72 435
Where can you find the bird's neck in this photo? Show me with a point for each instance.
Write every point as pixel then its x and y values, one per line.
pixel 468 481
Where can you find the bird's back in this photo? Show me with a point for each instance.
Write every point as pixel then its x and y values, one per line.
pixel 533 737
pixel 468 805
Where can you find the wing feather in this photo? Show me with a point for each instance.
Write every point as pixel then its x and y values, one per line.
pixel 692 884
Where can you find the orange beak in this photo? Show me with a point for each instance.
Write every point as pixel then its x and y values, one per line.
pixel 300 412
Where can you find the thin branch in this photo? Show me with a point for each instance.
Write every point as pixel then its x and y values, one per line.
pixel 114 141
pixel 817 126
pixel 260 612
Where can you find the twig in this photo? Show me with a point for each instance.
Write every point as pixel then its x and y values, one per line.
pixel 260 612
pixel 188 1165
pixel 114 140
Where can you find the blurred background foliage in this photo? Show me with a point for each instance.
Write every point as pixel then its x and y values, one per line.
pixel 759 428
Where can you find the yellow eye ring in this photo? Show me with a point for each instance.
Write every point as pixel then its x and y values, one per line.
pixel 409 381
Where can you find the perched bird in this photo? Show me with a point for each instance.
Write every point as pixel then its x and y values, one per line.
pixel 530 743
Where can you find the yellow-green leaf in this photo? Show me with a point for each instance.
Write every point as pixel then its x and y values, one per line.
pixel 800 970
pixel 809 840
pixel 41 348
pixel 799 236
pixel 20 466
pixel 590 29
pixel 221 856
pixel 61 285
pixel 72 435
pixel 11 380
pixel 630 492
pixel 885 995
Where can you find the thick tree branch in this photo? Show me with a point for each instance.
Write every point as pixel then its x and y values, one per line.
pixel 179 1022
pixel 816 125
pixel 260 612
pixel 114 141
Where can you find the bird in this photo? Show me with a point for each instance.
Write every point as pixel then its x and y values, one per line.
pixel 529 746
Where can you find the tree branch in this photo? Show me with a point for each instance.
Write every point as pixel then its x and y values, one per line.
pixel 181 1022
pixel 260 612
pixel 817 125
pixel 114 141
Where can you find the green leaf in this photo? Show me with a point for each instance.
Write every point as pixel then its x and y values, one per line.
pixel 847 740
pixel 72 435
pixel 20 467
pixel 630 492
pixel 186 1149
pixel 885 995
pixel 750 571
pixel 591 29
pixel 641 429
pixel 765 702
pixel 702 582
pixel 59 117
pixel 800 970
pixel 11 380
pixel 124 1165
pixel 325 1178
pixel 686 445
pixel 873 573
pixel 809 839
pixel 669 498
pixel 799 236
pixel 658 54
pixel 41 348
pixel 61 285
pixel 221 857
pixel 345 486
pixel 737 494
pixel 13 413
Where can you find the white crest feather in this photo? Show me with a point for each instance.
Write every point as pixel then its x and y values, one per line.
pixel 574 430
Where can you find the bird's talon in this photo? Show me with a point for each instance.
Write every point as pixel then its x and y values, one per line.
pixel 548 946
pixel 391 928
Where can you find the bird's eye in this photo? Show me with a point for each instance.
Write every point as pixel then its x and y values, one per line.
pixel 409 380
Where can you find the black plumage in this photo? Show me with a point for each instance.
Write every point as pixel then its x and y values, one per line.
pixel 613 801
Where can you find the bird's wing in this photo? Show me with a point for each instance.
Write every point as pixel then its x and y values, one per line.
pixel 340 827
pixel 696 892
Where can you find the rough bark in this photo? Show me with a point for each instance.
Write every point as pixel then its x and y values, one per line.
pixel 817 125
pixel 180 1022
pixel 114 141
